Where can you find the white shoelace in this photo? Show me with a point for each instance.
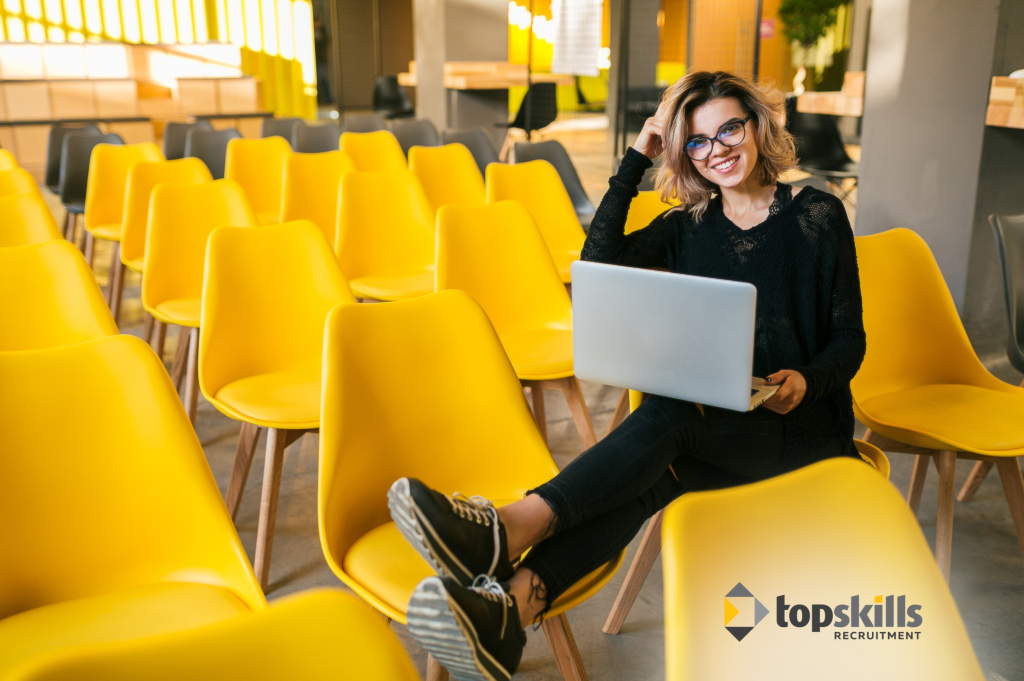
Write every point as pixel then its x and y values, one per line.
pixel 481 511
pixel 489 588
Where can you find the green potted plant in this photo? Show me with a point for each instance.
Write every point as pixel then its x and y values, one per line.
pixel 804 23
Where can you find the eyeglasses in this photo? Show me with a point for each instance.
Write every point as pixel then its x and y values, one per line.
pixel 729 135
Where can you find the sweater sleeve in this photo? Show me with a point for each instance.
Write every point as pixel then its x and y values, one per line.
pixel 607 241
pixel 837 363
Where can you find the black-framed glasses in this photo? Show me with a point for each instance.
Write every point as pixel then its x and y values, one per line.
pixel 729 135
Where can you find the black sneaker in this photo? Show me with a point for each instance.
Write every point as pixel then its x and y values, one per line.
pixel 474 632
pixel 461 538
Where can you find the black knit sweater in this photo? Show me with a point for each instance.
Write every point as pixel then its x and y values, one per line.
pixel 803 263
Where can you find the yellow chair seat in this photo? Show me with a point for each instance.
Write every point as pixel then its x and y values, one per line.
pixel 268 218
pixel 180 311
pixel 539 353
pixel 386 566
pixel 564 261
pixel 962 417
pixel 118 616
pixel 394 287
pixel 110 231
pixel 135 264
pixel 285 399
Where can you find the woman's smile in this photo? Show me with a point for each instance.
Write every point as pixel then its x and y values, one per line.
pixel 727 165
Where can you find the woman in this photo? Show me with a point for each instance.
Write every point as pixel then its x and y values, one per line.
pixel 724 147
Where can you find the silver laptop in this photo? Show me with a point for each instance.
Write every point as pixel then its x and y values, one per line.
pixel 668 334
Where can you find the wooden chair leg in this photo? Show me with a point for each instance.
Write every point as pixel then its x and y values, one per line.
pixel 539 413
pixel 90 248
pixel 944 521
pixel 620 413
pixel 974 480
pixel 643 561
pixel 917 482
pixel 159 337
pixel 245 450
pixel 115 260
pixel 578 408
pixel 268 504
pixel 563 647
pixel 180 357
pixel 1013 487
pixel 192 376
pixel 147 327
pixel 69 226
pixel 435 672
pixel 117 282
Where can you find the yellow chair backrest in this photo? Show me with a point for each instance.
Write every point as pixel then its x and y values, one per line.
pixel 104 484
pixel 373 152
pixel 537 185
pixel 26 219
pixel 17 181
pixel 384 224
pixel 108 178
pixel 312 187
pixel 181 218
pixel 7 161
pixel 142 179
pixel 316 634
pixel 395 379
pixel 914 334
pixel 275 283
pixel 496 254
pixel 257 165
pixel 449 175
pixel 818 538
pixel 643 209
pixel 49 298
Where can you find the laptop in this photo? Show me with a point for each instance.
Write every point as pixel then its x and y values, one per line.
pixel 677 335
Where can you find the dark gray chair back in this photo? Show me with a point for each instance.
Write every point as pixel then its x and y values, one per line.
pixel 478 142
pixel 554 153
pixel 819 144
pixel 313 139
pixel 54 148
pixel 539 108
pixel 419 133
pixel 281 127
pixel 211 147
pixel 390 99
pixel 1009 231
pixel 364 123
pixel 175 135
pixel 76 150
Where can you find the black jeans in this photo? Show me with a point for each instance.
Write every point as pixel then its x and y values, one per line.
pixel 605 495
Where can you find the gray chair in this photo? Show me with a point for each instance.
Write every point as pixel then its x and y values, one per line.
pixel 175 135
pixel 418 133
pixel 390 99
pixel 76 150
pixel 313 139
pixel 477 141
pixel 364 123
pixel 54 148
pixel 554 153
pixel 211 147
pixel 1010 243
pixel 281 127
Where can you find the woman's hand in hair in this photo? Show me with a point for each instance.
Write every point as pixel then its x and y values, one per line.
pixel 650 142
pixel 792 388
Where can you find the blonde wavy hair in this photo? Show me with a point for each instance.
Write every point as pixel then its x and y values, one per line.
pixel 678 181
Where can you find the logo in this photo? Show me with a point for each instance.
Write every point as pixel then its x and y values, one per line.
pixel 742 611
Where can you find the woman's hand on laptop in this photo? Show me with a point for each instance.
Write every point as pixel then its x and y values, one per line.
pixel 792 388
pixel 650 141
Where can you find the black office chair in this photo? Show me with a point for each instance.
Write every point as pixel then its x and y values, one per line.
pixel 76 150
pixel 554 153
pixel 477 141
pixel 364 123
pixel 313 139
pixel 54 148
pixel 820 148
pixel 416 133
pixel 1009 231
pixel 175 135
pixel 538 110
pixel 390 99
pixel 211 147
pixel 281 127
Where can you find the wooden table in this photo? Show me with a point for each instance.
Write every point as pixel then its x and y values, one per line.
pixel 1006 103
pixel 847 102
pixel 486 75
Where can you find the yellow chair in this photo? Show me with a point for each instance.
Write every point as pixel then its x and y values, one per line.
pixel 26 219
pixel 409 416
pixel 385 236
pixel 113 527
pixel 537 185
pixel 312 186
pixel 373 152
pixel 7 161
pixel 644 207
pixel 449 176
pixel 17 181
pixel 495 254
pixel 143 177
pixel 922 390
pixel 318 634
pixel 49 298
pixel 181 218
pixel 257 165
pixel 817 539
pixel 266 295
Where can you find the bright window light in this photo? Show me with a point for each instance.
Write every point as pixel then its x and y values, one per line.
pixel 76 37
pixel 54 12
pixel 73 14
pixel 130 20
pixel 150 25
pixel 236 22
pixel 268 9
pixel 33 9
pixel 284 29
pixel 112 18
pixel 36 32
pixel 12 6
pixel 93 17
pixel 302 17
pixel 165 9
pixel 183 10
pixel 15 30
pixel 222 21
pixel 253 39
pixel 55 34
pixel 199 19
